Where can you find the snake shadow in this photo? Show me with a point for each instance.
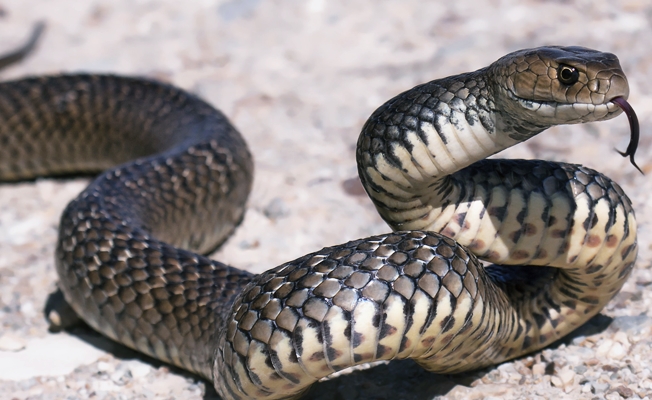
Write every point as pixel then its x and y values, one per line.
pixel 400 379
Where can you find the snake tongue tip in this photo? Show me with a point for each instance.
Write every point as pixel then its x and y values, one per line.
pixel 631 159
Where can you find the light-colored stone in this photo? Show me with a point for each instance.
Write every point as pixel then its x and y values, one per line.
pixel 104 366
pixel 555 380
pixel 604 348
pixel 567 376
pixel 138 368
pixel 539 368
pixel 617 351
pixel 621 337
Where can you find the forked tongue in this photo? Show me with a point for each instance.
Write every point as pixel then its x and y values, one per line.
pixel 633 124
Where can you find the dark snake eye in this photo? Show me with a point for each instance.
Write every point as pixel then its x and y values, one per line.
pixel 567 74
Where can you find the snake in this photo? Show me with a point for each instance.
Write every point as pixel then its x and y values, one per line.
pixel 488 259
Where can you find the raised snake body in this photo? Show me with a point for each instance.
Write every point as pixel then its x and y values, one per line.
pixel 563 235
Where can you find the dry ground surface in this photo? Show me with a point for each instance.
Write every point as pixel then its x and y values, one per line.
pixel 299 79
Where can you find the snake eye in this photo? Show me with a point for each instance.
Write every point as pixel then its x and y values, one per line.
pixel 567 74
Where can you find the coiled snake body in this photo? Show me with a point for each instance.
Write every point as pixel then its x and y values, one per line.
pixel 563 236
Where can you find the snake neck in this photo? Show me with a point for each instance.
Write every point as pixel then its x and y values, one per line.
pixel 411 147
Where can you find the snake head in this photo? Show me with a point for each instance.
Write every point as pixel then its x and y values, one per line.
pixel 556 85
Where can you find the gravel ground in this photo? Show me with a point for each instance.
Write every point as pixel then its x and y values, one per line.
pixel 299 79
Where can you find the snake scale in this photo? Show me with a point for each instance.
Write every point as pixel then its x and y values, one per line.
pixel 174 176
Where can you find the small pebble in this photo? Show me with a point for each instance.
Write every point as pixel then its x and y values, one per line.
pixel 624 391
pixel 539 368
pixel 604 348
pixel 555 380
pixel 104 366
pixel 249 244
pixel 353 187
pixel 567 376
pixel 617 351
pixel 621 337
pixel 276 209
pixel 27 309
pixel 138 369
pixel 580 369
pixel 600 387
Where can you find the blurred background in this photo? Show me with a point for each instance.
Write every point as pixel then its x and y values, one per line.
pixel 299 79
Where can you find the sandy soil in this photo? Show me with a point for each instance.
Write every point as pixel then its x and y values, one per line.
pixel 299 79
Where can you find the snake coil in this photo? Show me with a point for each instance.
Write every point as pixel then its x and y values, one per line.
pixel 177 175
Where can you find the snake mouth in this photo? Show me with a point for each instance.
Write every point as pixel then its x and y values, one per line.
pixel 575 112
pixel 552 109
pixel 634 130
